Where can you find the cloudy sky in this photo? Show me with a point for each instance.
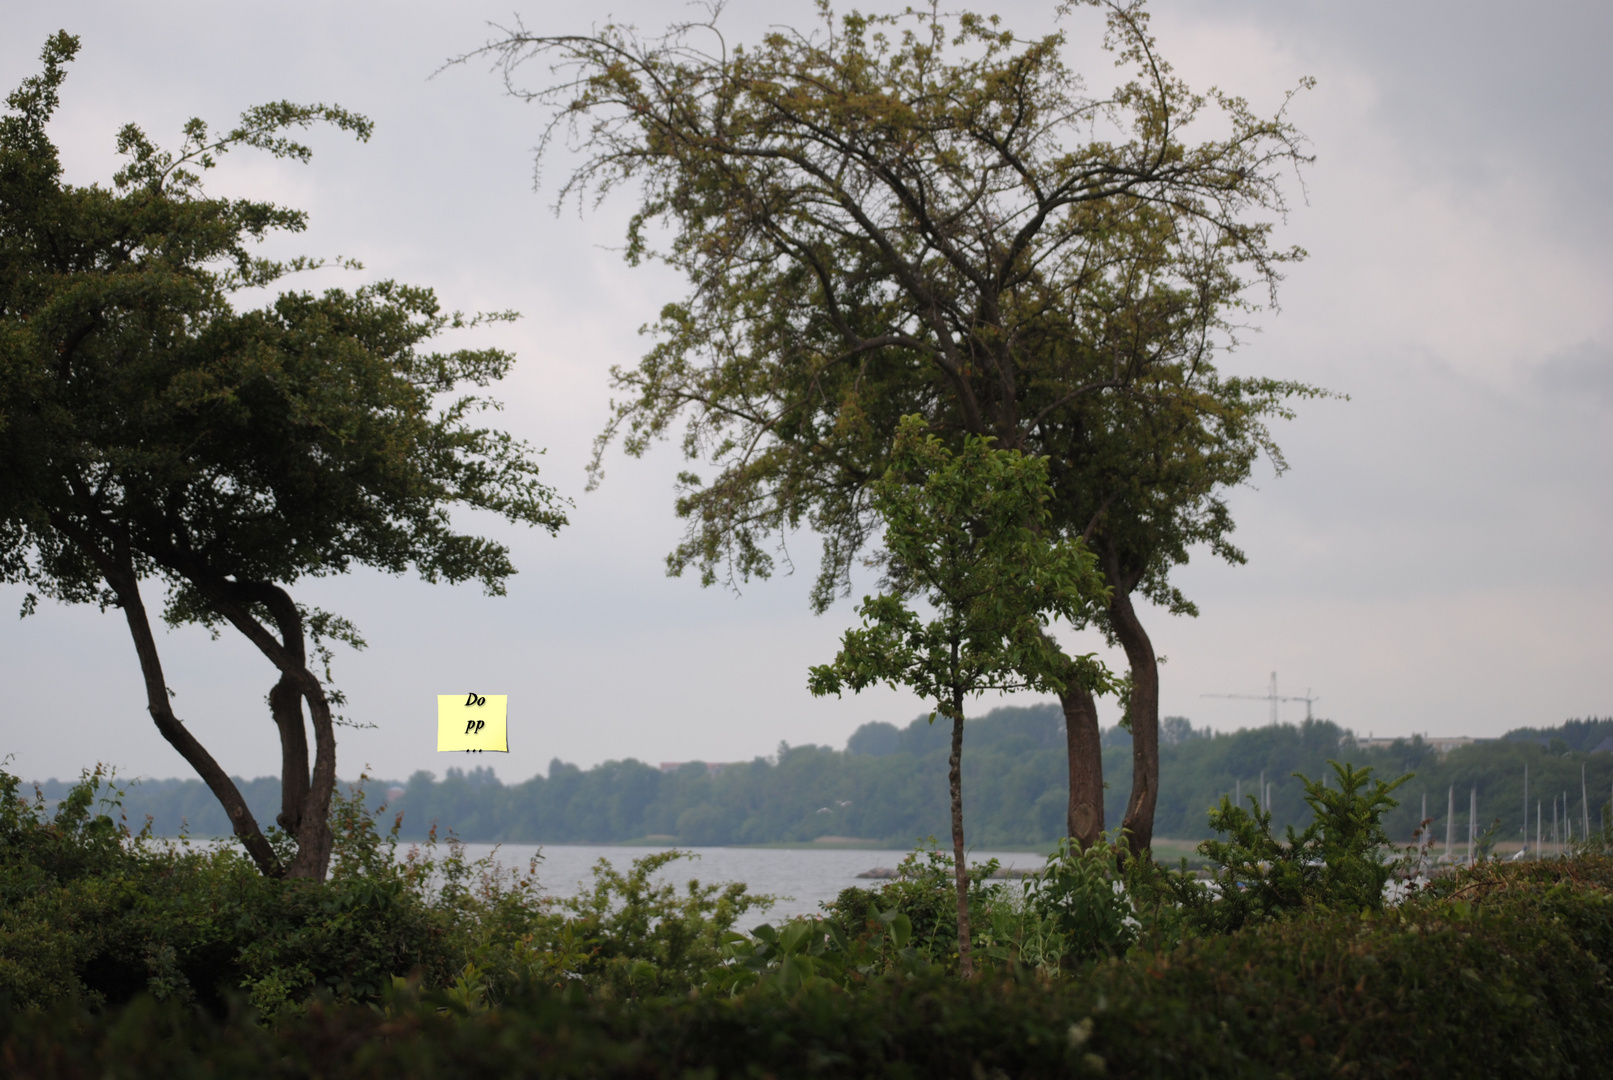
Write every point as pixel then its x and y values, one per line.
pixel 1436 560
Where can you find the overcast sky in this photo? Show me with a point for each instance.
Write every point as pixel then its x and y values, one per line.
pixel 1436 560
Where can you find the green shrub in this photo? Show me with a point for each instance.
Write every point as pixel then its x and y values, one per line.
pixel 1341 860
pixel 1493 973
pixel 633 937
pixel 58 885
pixel 1081 900
pixel 94 913
pixel 924 893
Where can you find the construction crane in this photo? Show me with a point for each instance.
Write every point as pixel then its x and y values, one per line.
pixel 1273 697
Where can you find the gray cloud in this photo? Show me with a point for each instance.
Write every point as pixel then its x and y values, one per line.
pixel 1582 374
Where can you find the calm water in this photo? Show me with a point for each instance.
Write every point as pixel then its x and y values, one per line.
pixel 802 879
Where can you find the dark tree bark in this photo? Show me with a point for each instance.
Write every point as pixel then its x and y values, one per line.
pixel 1138 823
pixel 1082 739
pixel 960 869
pixel 285 705
pixel 232 599
pixel 120 575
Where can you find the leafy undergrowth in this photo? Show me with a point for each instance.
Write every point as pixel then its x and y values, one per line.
pixel 121 957
pixel 1495 972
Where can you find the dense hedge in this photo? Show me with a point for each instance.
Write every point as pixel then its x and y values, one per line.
pixel 1498 972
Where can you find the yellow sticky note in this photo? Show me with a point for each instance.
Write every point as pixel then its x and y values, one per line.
pixel 473 722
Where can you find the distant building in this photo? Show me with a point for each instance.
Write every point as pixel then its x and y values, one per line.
pixel 1442 744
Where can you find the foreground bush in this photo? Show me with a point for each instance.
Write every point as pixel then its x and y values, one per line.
pixel 1493 973
pixel 120 956
pixel 92 913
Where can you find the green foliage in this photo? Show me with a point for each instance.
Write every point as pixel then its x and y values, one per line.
pixel 291 440
pixel 1500 975
pixel 966 531
pixel 1584 735
pixel 95 913
pixel 1339 859
pixel 98 914
pixel 426 966
pixel 924 212
pixel 1079 906
pixel 641 937
pixel 46 860
pixel 922 897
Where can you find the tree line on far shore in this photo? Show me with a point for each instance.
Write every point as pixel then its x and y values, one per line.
pixel 888 785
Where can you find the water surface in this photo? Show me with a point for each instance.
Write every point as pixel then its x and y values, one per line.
pixel 802 879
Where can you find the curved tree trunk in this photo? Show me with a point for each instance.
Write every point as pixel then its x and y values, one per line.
pixel 960 869
pixel 314 839
pixel 309 799
pixel 126 585
pixel 285 704
pixel 232 600
pixel 1144 712
pixel 1083 742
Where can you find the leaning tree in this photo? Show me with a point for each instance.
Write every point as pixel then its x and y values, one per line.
pixel 925 214
pixel 150 429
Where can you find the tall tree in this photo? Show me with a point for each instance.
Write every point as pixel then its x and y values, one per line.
pixel 1148 471
pixel 968 533
pixel 151 430
pixel 927 214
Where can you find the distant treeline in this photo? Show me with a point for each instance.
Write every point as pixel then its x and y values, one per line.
pixel 889 785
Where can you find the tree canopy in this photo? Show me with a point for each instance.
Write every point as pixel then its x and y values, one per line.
pixel 152 430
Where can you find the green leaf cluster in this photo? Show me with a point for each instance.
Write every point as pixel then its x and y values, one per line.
pixel 967 532
pixel 140 408
pixel 1342 859
pixel 95 913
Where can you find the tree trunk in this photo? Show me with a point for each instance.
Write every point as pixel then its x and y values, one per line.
pixel 126 585
pixel 1082 739
pixel 1138 824
pixel 232 599
pixel 285 704
pixel 960 869
pixel 314 839
pixel 309 796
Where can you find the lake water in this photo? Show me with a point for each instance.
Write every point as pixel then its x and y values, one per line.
pixel 801 879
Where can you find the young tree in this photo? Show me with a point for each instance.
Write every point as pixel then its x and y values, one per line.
pixel 149 429
pixel 969 534
pixel 926 214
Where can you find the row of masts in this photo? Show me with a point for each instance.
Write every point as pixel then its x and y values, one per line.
pixel 1560 838
pixel 1563 840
